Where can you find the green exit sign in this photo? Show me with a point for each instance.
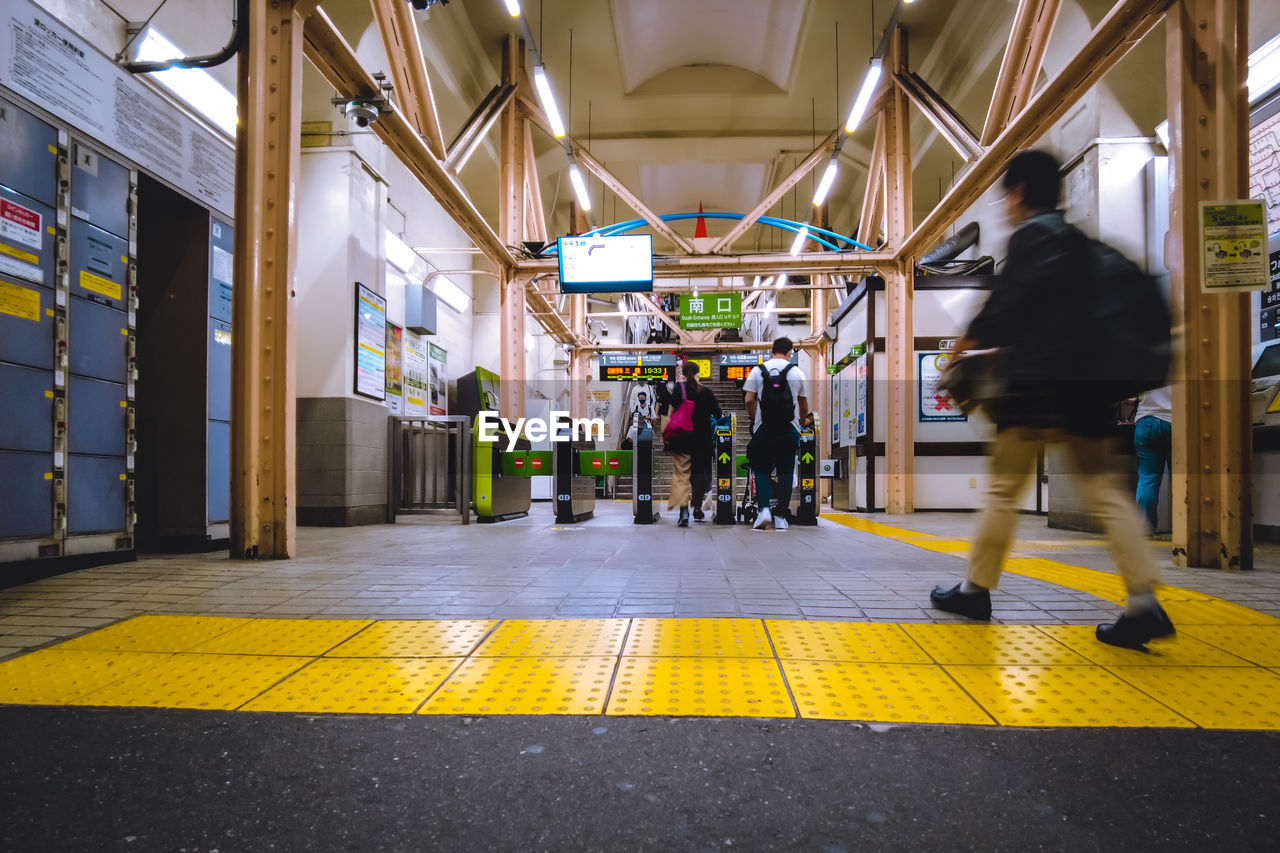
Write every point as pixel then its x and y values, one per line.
pixel 711 311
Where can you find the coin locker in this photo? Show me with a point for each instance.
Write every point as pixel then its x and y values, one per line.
pixel 28 154
pixel 25 500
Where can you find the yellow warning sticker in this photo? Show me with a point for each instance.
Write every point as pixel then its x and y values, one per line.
pixel 123 404
pixel 14 252
pixel 98 284
pixel 48 394
pixel 48 475
pixel 807 483
pixel 19 301
pixel 724 483
pixel 53 149
pixel 122 476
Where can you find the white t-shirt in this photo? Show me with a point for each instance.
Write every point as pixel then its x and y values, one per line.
pixel 1156 403
pixel 795 379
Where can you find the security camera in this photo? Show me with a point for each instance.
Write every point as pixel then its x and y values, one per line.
pixel 363 113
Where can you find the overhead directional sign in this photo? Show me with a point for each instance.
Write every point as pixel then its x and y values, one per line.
pixel 711 311
pixel 624 366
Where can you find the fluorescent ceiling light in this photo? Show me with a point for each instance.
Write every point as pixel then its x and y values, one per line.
pixel 528 342
pixel 863 100
pixel 452 295
pixel 197 87
pixel 801 236
pixel 1264 69
pixel 828 178
pixel 579 186
pixel 399 255
pixel 513 6
pixel 548 101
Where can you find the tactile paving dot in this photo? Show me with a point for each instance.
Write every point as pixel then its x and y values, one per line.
pixel 1075 696
pixel 357 686
pixel 1179 651
pixel 1217 612
pixel 1213 697
pixel 154 634
pixel 867 642
pixel 727 638
pixel 555 638
pixel 213 682
pixel 565 685
pixel 406 638
pixel 991 644
pixel 306 637
pixel 1105 585
pixel 698 686
pixel 1258 644
pixel 55 677
pixel 879 692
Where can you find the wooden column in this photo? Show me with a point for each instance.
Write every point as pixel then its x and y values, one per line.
pixel 1207 44
pixel 263 460
pixel 899 336
pixel 511 230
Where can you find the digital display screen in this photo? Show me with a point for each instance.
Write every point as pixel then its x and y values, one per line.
pixel 634 371
pixel 732 373
pixel 605 264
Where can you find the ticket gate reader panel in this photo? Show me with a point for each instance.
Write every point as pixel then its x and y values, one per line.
pixel 726 476
pixel 807 474
pixel 642 479
pixel 576 467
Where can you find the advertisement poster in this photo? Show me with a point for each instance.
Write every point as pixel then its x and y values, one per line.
pixel 835 419
pixel 395 391
pixel 415 375
pixel 848 414
pixel 371 343
pixel 437 381
pixel 1233 237
pixel 598 407
pixel 860 396
pixel 935 405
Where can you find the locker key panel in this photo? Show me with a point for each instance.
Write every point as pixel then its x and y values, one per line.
pixel 219 371
pixel 26 323
pixel 26 501
pixel 99 264
pixel 99 190
pixel 95 493
pixel 219 472
pixel 26 408
pixel 28 237
pixel 28 154
pixel 98 340
pixel 96 413
pixel 221 245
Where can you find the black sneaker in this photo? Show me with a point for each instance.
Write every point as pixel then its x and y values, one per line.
pixel 698 514
pixel 684 517
pixel 1134 631
pixel 975 605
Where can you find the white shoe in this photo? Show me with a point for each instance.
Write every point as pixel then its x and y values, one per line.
pixel 780 523
pixel 764 518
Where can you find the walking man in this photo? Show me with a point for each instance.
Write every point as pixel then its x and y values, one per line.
pixel 1036 299
pixel 774 393
pixel 1153 440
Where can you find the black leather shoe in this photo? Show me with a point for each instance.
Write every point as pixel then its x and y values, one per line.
pixel 698 514
pixel 1136 630
pixel 975 605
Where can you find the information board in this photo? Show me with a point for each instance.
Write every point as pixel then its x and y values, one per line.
pixel 605 264
pixel 371 344
pixel 395 384
pixel 711 311
pixel 737 366
pixel 438 380
pixel 935 405
pixel 626 366
pixel 415 374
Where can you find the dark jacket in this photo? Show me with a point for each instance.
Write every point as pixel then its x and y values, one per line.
pixel 1037 316
pixel 705 407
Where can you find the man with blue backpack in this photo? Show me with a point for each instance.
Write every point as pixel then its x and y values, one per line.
pixel 774 393
pixel 1074 328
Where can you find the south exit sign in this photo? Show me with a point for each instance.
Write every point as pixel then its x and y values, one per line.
pixel 715 311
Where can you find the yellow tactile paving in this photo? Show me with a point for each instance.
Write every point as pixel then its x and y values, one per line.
pixel 1259 644
pixel 1182 650
pixel 1213 697
pixel 154 634
pixel 730 638
pixel 991 644
pixel 699 687
pixel 402 638
pixel 1105 585
pixel 301 637
pixel 880 692
pixel 55 677
pixel 564 685
pixel 209 682
pixel 555 638
pixel 1069 696
pixel 865 642
pixel 357 686
pixel 943 546
pixel 1215 612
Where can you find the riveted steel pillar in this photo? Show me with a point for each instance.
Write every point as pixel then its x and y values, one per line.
pixel 263 464
pixel 899 284
pixel 1207 53
pixel 511 212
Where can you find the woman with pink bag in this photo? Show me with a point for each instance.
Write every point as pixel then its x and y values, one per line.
pixel 688 440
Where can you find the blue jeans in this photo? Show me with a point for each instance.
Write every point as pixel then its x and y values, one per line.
pixel 776 452
pixel 1153 439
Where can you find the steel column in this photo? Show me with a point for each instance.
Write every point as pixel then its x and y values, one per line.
pixel 1207 52
pixel 899 340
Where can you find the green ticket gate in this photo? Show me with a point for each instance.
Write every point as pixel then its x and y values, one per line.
pixel 499 480
pixel 807 473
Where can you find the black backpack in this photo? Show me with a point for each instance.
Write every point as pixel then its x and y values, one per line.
pixel 777 406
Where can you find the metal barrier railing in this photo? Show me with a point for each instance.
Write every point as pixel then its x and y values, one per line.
pixel 430 465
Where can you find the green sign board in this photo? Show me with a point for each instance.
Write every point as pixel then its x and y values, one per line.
pixel 711 311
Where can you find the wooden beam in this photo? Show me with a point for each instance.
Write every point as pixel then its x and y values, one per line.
pixel 409 69
pixel 477 126
pixel 1122 28
pixel 1207 50
pixel 872 214
pixel 329 52
pixel 944 119
pixel 1032 25
pixel 771 198
pixel 899 337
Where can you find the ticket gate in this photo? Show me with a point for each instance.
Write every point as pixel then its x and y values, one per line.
pixel 807 473
pixel 725 472
pixel 499 480
pixel 642 481
pixel 576 465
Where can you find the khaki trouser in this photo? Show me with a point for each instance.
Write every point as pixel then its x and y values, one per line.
pixel 1012 469
pixel 681 492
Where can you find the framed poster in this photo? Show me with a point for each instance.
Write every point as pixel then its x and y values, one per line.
pixel 437 380
pixel 371 344
pixel 860 396
pixel 415 375
pixel 395 389
pixel 935 405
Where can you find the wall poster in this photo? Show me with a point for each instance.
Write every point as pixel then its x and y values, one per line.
pixel 414 354
pixel 935 405
pixel 860 396
pixel 438 380
pixel 598 407
pixel 1233 236
pixel 395 387
pixel 371 344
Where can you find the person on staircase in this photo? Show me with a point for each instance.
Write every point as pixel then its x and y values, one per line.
pixel 775 393
pixel 695 406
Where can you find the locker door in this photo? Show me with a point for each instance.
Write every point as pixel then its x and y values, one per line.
pixel 96 417
pixel 26 323
pixel 221 243
pixel 99 264
pixel 28 234
pixel 26 501
pixel 95 493
pixel 99 340
pixel 99 190
pixel 219 371
pixel 28 154
pixel 26 409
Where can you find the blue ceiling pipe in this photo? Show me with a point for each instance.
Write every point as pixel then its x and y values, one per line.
pixel 775 222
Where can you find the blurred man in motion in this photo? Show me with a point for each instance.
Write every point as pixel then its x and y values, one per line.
pixel 1038 318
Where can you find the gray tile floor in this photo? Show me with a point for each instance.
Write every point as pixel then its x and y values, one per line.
pixel 434 568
